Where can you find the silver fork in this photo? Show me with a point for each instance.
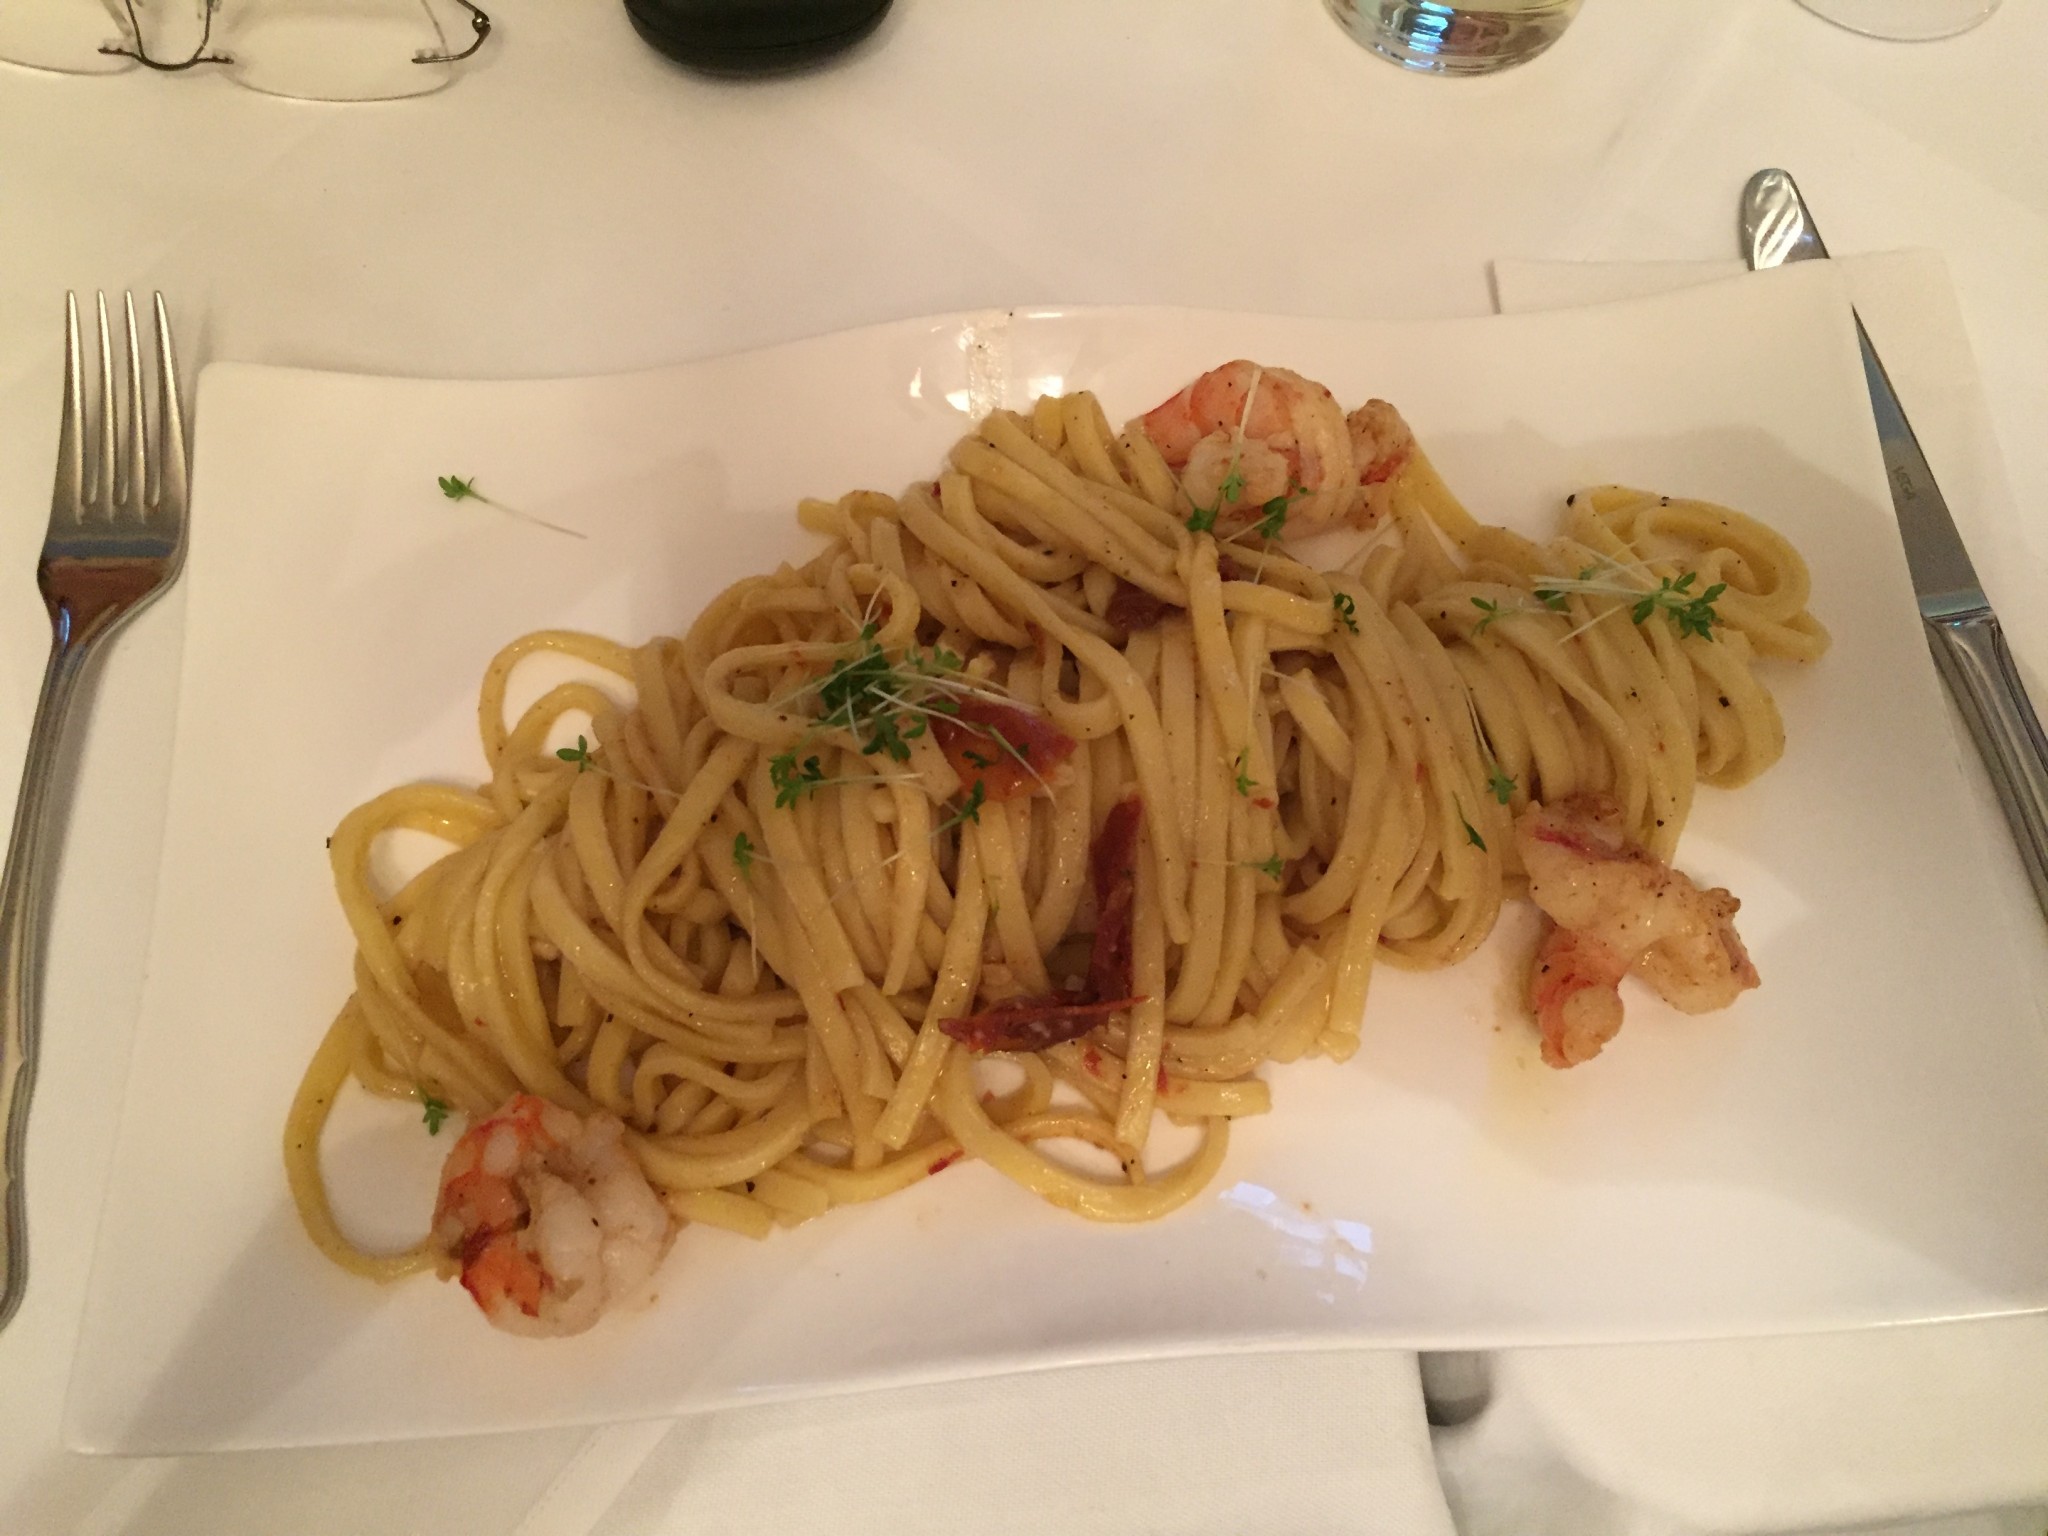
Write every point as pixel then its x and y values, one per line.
pixel 116 539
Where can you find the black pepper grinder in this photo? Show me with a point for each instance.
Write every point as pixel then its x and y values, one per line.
pixel 753 37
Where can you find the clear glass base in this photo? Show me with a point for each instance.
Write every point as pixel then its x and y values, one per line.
pixel 1904 21
pixel 1446 39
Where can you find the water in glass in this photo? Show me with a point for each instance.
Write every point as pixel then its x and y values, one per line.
pixel 1449 39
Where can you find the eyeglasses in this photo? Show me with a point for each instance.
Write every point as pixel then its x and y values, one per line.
pixel 316 50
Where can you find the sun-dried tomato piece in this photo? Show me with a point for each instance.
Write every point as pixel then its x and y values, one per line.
pixel 1034 1023
pixel 1133 608
pixel 1113 863
pixel 1011 751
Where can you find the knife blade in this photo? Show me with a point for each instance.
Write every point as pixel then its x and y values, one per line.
pixel 1962 631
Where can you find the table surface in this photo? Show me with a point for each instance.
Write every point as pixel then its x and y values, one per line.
pixel 574 204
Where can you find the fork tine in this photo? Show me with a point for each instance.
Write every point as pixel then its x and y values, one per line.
pixel 134 441
pixel 103 444
pixel 69 499
pixel 173 474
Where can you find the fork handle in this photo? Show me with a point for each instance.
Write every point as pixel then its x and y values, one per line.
pixel 25 892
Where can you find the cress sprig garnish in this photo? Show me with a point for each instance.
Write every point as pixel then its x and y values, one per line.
pixel 885 703
pixel 1691 611
pixel 433 1112
pixel 1244 781
pixel 1272 519
pixel 970 810
pixel 1203 519
pixel 793 780
pixel 459 488
pixel 1471 832
pixel 1498 782
pixel 586 762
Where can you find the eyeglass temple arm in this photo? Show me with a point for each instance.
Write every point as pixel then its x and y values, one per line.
pixel 481 25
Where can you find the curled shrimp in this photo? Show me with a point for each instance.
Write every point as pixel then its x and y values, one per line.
pixel 1242 435
pixel 1381 445
pixel 547 1217
pixel 1613 909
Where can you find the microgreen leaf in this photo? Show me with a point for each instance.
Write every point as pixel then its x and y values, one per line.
pixel 1347 610
pixel 578 754
pixel 1473 836
pixel 1691 611
pixel 791 781
pixel 1275 520
pixel 1233 483
pixel 1245 782
pixel 456 488
pixel 1203 519
pixel 743 853
pixel 1502 786
pixel 970 809
pixel 1273 868
pixel 433 1112
pixel 1489 609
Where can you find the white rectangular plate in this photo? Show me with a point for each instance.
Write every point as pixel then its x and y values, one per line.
pixel 1860 1141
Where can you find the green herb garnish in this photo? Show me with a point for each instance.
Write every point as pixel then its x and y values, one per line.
pixel 970 810
pixel 1245 782
pixel 743 853
pixel 456 488
pixel 1692 612
pixel 433 1112
pixel 1347 610
pixel 791 780
pixel 578 754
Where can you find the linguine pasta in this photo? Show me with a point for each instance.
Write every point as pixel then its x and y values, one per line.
pixel 874 812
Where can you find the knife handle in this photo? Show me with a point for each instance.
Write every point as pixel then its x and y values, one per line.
pixel 1971 653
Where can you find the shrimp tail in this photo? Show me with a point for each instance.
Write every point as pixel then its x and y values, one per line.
pixel 1575 993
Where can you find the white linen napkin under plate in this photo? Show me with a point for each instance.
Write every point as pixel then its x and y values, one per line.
pixel 1839 1429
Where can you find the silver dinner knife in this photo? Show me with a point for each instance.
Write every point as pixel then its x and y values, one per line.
pixel 1969 647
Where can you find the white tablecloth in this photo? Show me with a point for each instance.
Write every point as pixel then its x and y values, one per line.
pixel 575 204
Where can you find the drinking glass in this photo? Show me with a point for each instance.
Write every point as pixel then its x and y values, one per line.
pixel 1905 21
pixel 1455 39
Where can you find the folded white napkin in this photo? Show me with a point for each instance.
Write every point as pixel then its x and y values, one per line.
pixel 1822 1431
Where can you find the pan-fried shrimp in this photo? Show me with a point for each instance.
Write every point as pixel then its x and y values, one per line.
pixel 1615 909
pixel 1259 433
pixel 1381 444
pixel 547 1217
